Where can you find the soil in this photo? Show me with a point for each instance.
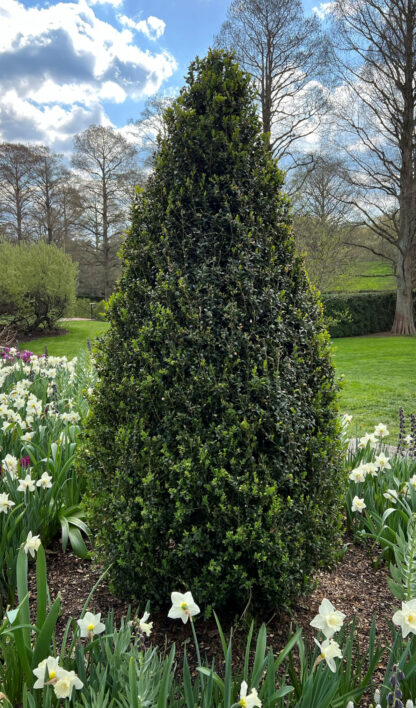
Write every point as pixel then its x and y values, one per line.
pixel 353 586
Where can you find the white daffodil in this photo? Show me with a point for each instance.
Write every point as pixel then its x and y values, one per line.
pixel 45 481
pixel 46 671
pixel 412 482
pixel 10 464
pixel 183 606
pixel 31 544
pixel 358 474
pixel 27 437
pixel 67 680
pixel 358 504
pixel 391 495
pixel 248 701
pixel 144 625
pixel 70 417
pixel 5 503
pixel 90 624
pixel 33 407
pixel 406 618
pixel 26 484
pixel 382 462
pixel 371 468
pixel 346 418
pixel 381 431
pixel 368 438
pixel 328 620
pixel 16 418
pixel 330 650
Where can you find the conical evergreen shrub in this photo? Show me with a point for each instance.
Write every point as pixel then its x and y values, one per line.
pixel 212 442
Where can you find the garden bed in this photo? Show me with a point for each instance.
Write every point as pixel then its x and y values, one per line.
pixel 354 586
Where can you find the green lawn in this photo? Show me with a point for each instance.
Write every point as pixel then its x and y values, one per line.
pixel 380 376
pixel 68 344
pixel 379 372
pixel 357 279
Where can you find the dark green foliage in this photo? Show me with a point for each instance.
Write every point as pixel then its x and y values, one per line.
pixel 366 313
pixel 212 442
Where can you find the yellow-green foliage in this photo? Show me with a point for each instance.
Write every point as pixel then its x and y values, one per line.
pixel 37 285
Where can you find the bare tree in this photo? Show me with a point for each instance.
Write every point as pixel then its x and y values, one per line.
pixel 17 166
pixel 70 201
pixel 285 54
pixel 106 163
pixel 150 125
pixel 376 40
pixel 50 176
pixel 321 220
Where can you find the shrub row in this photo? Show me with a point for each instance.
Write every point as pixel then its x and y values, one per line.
pixel 82 308
pixel 353 314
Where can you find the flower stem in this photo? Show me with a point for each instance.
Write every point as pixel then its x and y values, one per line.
pixel 198 656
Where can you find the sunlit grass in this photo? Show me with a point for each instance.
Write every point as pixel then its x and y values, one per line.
pixel 368 275
pixel 380 376
pixel 69 344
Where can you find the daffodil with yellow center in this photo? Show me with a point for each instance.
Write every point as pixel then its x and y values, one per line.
pixel 90 625
pixel 46 672
pixel 183 606
pixel 406 618
pixel 248 701
pixel 329 650
pixel 329 620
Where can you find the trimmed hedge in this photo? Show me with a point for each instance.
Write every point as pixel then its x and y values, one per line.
pixel 355 314
pixel 212 442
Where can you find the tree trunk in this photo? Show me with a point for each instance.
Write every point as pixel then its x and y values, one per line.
pixel 404 322
pixel 403 319
pixel 19 222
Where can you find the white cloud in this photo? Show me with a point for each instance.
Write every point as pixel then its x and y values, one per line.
pixel 153 27
pixel 114 3
pixel 323 10
pixel 59 63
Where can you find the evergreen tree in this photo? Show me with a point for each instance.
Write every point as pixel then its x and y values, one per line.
pixel 212 442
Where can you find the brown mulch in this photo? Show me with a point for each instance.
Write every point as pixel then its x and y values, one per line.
pixel 354 586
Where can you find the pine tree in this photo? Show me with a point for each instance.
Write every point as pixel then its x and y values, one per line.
pixel 212 442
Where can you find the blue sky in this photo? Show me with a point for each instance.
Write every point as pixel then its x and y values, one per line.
pixel 65 64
